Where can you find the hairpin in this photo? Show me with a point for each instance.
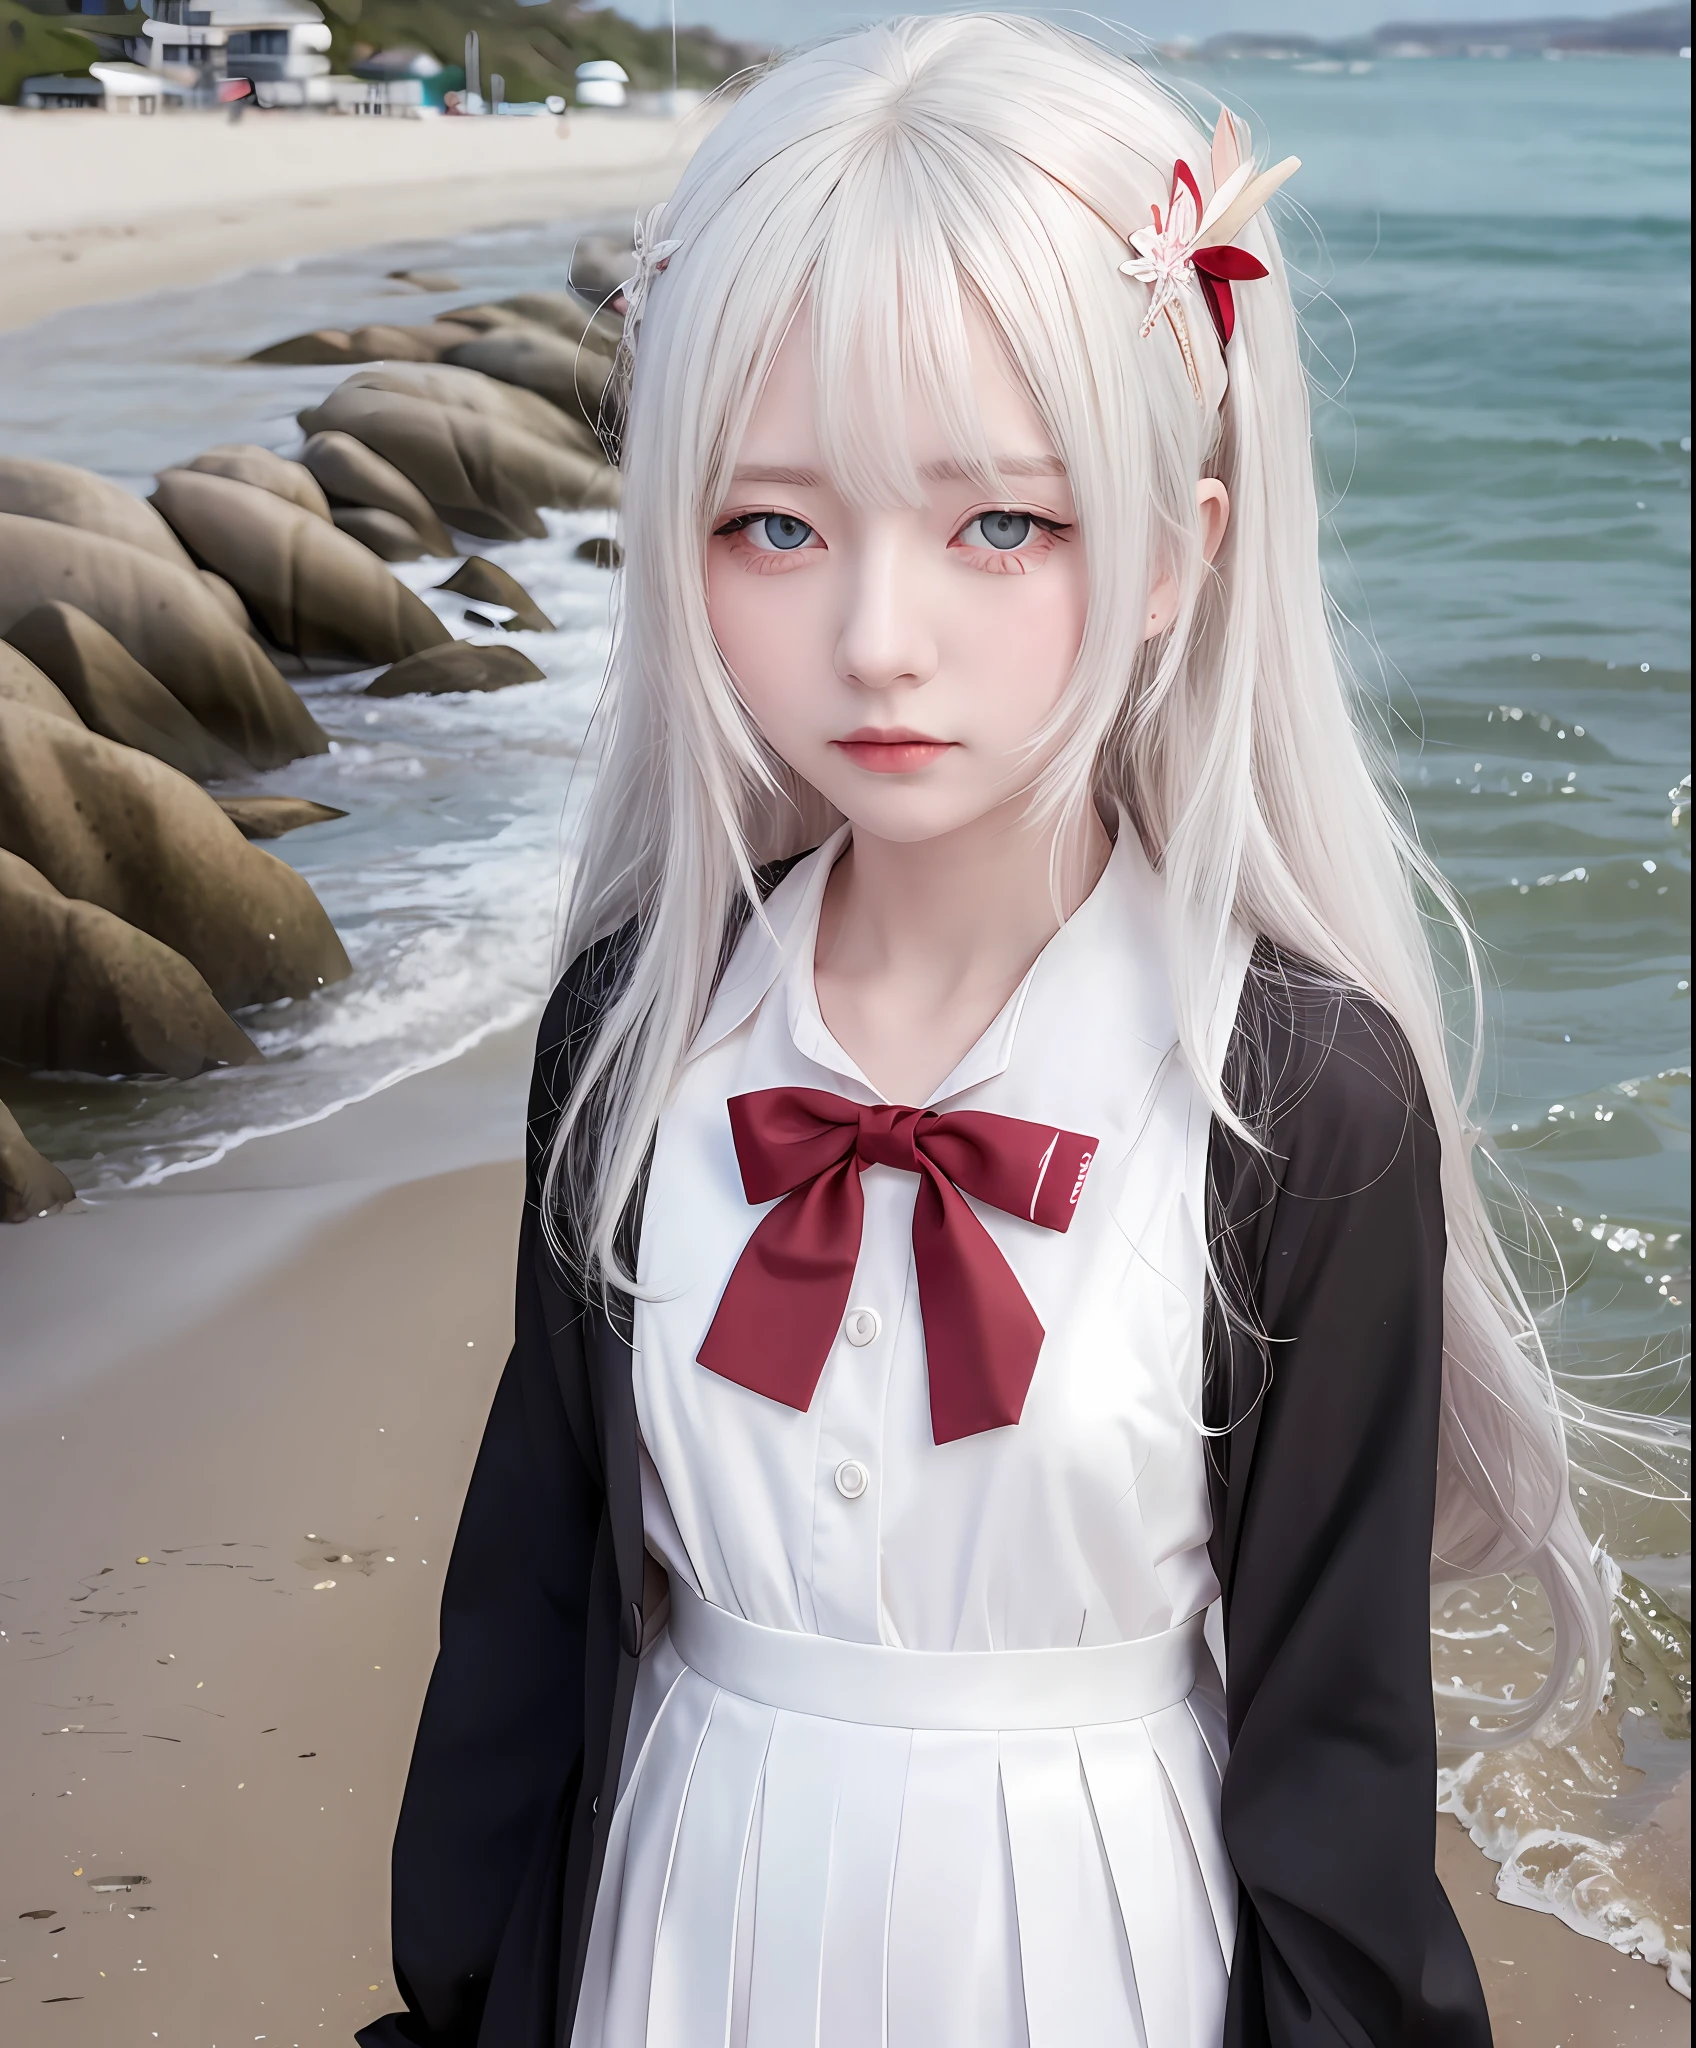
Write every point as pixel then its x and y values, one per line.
pixel 652 256
pixel 1190 248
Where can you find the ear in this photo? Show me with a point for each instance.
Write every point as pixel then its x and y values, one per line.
pixel 1213 509
pixel 1213 504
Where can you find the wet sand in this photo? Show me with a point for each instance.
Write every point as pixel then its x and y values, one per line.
pixel 101 207
pixel 225 1405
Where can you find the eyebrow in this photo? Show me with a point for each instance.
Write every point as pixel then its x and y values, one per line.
pixel 947 471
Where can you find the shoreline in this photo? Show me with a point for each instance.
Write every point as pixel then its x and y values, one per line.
pixel 186 1696
pixel 118 209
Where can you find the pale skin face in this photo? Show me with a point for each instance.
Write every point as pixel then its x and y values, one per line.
pixel 902 661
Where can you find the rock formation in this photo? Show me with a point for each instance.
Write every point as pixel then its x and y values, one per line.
pixel 564 313
pixel 29 1185
pixel 94 504
pixel 427 280
pixel 87 993
pixel 355 478
pixel 114 695
pixel 21 682
pixel 601 549
pixel 477 577
pixel 460 666
pixel 167 619
pixel 471 391
pixel 386 534
pixel 268 471
pixel 481 474
pixel 600 264
pixel 568 374
pixel 269 817
pixel 226 598
pixel 376 344
pixel 314 590
pixel 116 828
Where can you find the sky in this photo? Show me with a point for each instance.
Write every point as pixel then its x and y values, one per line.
pixel 777 21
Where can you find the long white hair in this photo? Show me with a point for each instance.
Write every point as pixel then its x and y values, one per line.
pixel 893 178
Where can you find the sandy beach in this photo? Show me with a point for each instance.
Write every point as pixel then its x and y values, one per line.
pixel 238 1409
pixel 104 208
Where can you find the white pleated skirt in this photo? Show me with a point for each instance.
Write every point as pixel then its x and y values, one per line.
pixel 785 1879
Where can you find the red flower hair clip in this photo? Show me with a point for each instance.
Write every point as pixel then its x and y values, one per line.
pixel 1189 249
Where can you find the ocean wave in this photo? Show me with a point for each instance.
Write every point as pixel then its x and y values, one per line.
pixel 1596 1830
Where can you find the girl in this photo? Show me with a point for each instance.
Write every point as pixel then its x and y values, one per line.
pixel 997 1198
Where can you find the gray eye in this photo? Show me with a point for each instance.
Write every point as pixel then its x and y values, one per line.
pixel 1003 529
pixel 781 531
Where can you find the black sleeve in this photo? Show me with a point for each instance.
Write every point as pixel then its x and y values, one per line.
pixel 498 1756
pixel 1335 1237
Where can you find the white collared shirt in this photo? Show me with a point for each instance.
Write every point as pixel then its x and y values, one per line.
pixel 1087 1521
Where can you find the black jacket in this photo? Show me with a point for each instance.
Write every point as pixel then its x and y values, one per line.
pixel 1331 1242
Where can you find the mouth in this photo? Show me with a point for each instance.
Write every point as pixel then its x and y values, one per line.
pixel 891 750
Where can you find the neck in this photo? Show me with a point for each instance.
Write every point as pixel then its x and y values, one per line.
pixel 944 929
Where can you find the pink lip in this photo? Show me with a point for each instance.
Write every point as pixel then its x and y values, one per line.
pixel 895 750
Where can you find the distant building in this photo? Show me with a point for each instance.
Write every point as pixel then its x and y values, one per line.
pixel 257 39
pixel 405 66
pixel 113 88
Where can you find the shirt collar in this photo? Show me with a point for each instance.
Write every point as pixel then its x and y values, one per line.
pixel 1107 963
pixel 784 927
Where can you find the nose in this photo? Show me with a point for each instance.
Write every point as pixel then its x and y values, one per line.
pixel 885 639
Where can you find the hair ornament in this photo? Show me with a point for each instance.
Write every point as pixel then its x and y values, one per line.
pixel 652 256
pixel 1189 249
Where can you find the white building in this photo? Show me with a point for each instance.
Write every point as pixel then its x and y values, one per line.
pixel 258 39
pixel 115 88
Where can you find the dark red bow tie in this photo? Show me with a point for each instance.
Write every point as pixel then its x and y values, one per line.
pixel 782 1308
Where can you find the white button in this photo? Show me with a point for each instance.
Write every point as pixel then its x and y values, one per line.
pixel 862 1325
pixel 852 1479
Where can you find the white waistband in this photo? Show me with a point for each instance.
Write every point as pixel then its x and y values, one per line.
pixel 960 1689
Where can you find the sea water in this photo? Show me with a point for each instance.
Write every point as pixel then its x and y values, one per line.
pixel 1493 264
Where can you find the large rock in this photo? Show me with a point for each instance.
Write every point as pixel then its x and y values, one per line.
pixel 568 374
pixel 477 577
pixel 480 319
pixel 121 830
pixel 228 602
pixel 356 477
pixel 481 473
pixel 386 534
pixel 313 589
pixel 21 682
pixel 86 993
pixel 94 504
pixel 445 671
pixel 114 695
pixel 602 265
pixel 376 344
pixel 427 280
pixel 171 624
pixel 471 391
pixel 29 1185
pixel 267 471
pixel 568 315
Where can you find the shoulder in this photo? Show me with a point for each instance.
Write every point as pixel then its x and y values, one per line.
pixel 570 1020
pixel 1324 1075
pixel 587 990
pixel 580 999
